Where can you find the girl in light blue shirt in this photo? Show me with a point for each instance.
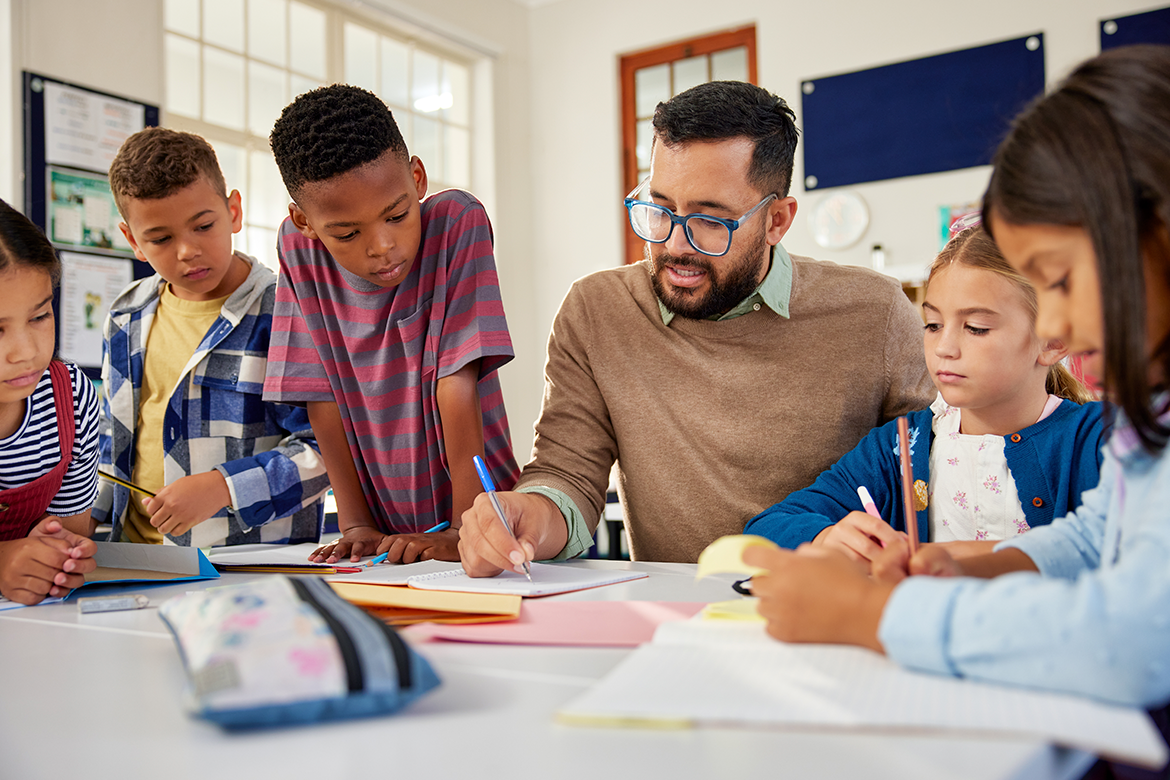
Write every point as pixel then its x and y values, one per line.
pixel 1079 202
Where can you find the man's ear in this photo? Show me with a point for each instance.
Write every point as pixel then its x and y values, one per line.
pixel 301 222
pixel 418 172
pixel 1052 352
pixel 133 243
pixel 781 213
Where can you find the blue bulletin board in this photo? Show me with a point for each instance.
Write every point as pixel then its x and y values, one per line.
pixel 1148 27
pixel 71 134
pixel 928 115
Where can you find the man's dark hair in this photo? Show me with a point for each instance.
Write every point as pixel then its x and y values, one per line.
pixel 1095 154
pixel 332 130
pixel 721 110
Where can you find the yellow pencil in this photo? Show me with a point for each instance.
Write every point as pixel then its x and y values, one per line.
pixel 124 483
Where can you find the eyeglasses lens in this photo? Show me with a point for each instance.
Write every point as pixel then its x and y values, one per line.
pixel 652 223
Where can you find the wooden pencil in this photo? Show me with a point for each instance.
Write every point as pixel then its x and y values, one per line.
pixel 124 483
pixel 908 484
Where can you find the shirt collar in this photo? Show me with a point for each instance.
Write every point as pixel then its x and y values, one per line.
pixel 774 292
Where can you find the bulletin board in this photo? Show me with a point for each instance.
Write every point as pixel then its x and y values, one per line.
pixel 928 115
pixel 71 134
pixel 1148 27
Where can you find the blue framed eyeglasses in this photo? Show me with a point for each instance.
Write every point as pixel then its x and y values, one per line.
pixel 708 235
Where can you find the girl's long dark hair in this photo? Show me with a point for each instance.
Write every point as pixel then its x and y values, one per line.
pixel 1095 154
pixel 22 244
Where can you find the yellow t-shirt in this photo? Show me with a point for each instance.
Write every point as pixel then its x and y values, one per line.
pixel 178 328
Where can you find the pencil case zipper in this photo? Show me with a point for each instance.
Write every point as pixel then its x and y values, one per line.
pixel 321 598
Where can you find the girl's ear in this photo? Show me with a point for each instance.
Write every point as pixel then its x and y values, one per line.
pixel 1052 352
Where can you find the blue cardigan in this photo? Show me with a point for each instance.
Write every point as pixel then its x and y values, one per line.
pixel 1053 463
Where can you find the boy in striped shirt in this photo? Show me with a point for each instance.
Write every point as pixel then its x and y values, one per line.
pixel 389 326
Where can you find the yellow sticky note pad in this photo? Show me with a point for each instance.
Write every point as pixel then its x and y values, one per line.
pixel 739 609
pixel 725 555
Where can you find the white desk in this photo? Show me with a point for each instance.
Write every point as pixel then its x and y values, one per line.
pixel 100 696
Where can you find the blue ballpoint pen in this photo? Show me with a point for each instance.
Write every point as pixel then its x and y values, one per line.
pixel 489 487
pixel 443 526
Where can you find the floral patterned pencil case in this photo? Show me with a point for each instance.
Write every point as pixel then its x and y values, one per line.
pixel 278 651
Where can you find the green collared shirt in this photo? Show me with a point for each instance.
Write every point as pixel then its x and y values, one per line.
pixel 773 292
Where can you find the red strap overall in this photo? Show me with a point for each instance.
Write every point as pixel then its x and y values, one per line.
pixel 21 507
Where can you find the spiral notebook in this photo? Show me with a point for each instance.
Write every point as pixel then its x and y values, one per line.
pixel 547 579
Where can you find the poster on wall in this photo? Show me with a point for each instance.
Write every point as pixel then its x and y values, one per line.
pixel 82 212
pixel 89 284
pixel 84 129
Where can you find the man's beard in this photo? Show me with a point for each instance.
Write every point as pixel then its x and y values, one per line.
pixel 738 281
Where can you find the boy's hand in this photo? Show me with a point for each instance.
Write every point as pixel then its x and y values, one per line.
pixel 815 595
pixel 354 542
pixel 860 536
pixel 187 502
pixel 408 548
pixel 44 565
pixel 485 546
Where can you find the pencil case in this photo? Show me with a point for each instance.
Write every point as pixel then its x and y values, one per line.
pixel 278 651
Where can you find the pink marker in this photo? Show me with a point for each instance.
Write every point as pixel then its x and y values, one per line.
pixel 867 502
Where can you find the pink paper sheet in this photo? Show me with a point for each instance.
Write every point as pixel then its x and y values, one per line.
pixel 575 623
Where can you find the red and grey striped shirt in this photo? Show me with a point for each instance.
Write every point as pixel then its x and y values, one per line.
pixel 379 353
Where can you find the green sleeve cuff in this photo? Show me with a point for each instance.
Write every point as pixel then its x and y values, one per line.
pixel 580 537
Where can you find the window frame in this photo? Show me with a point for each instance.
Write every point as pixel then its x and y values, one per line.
pixel 672 52
pixel 336 18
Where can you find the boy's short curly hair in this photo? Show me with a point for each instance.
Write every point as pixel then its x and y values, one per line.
pixel 331 130
pixel 158 162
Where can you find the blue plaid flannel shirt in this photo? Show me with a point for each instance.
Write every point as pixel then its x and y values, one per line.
pixel 216 419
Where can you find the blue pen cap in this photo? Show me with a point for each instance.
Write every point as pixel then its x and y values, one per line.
pixel 485 477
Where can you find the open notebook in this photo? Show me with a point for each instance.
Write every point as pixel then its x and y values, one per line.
pixel 731 673
pixel 547 580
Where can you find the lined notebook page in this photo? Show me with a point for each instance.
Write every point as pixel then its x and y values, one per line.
pixel 759 682
pixel 547 580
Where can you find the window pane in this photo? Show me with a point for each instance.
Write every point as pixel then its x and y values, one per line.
pixel 306 36
pixel 730 65
pixel 651 87
pixel 455 84
pixel 232 161
pixel 266 97
pixel 182 76
pixel 361 57
pixel 223 88
pixel 642 143
pixel 405 123
pixel 183 16
pixel 262 245
pixel 689 72
pixel 267 202
pixel 424 90
pixel 395 73
pixel 267 30
pixel 223 23
pixel 300 85
pixel 426 146
pixel 457 156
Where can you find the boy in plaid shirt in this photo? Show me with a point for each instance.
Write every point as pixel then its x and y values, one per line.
pixel 183 367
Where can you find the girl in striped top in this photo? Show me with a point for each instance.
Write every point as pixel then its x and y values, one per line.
pixel 48 429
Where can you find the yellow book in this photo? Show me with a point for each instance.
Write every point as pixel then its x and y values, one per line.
pixel 401 606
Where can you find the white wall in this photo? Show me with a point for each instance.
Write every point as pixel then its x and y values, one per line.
pixel 556 203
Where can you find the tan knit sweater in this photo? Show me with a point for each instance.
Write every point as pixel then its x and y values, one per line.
pixel 711 422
